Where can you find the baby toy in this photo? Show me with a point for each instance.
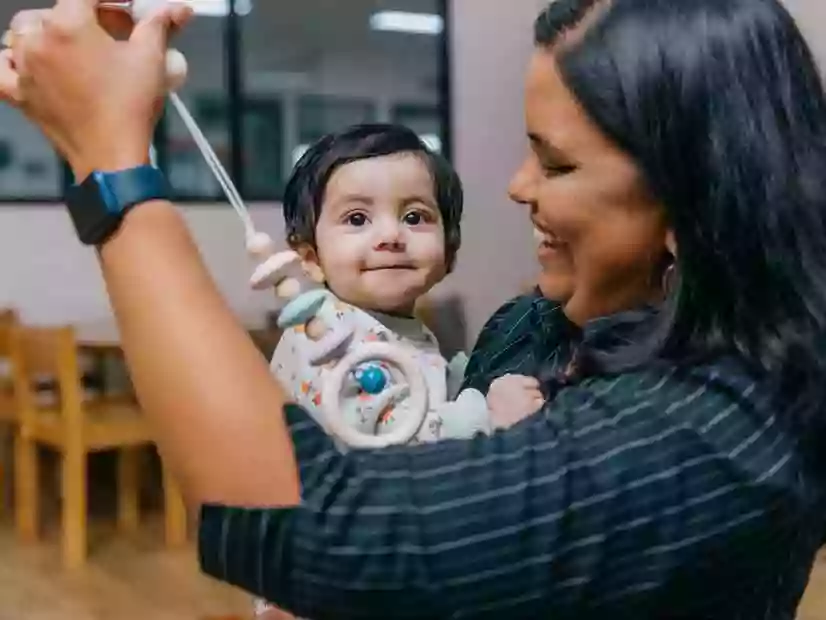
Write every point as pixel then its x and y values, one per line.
pixel 305 301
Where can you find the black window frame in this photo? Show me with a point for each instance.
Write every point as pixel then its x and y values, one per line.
pixel 234 84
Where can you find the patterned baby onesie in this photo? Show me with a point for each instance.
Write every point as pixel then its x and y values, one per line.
pixel 293 364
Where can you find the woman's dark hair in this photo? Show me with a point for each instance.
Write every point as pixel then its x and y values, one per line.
pixel 721 105
pixel 304 192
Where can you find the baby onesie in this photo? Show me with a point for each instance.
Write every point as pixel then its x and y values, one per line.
pixel 295 363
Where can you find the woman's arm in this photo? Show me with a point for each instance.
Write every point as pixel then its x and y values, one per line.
pixel 612 492
pixel 216 411
pixel 215 408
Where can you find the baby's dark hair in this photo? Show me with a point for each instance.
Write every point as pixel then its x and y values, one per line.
pixel 305 189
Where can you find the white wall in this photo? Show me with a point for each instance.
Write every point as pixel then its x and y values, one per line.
pixel 491 44
pixel 50 277
pixel 811 17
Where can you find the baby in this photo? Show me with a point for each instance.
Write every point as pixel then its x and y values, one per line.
pixel 373 217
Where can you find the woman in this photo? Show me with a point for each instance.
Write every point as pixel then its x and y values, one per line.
pixel 675 180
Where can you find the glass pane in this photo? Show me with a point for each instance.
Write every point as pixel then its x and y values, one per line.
pixel 263 155
pixel 29 167
pixel 424 120
pixel 205 94
pixel 331 63
pixel 318 115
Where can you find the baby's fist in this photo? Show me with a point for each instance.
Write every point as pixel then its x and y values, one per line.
pixel 512 398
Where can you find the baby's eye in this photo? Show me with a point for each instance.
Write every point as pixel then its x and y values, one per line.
pixel 357 219
pixel 414 218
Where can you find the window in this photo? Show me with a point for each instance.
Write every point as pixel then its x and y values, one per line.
pixel 30 171
pixel 318 115
pixel 265 80
pixel 206 96
pixel 426 120
pixel 331 64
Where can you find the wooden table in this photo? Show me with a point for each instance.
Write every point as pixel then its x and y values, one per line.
pixel 103 335
pixel 101 340
pixel 100 335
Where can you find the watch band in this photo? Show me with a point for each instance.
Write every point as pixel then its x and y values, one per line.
pixel 98 204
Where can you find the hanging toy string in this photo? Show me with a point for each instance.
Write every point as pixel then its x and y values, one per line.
pixel 258 244
pixel 214 163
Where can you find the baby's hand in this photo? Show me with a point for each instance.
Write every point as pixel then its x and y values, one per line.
pixel 512 398
pixel 270 612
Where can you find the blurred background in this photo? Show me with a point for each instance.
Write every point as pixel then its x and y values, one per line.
pixel 264 82
pixel 105 536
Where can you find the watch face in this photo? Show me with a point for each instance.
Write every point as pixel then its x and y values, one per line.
pixel 97 205
pixel 92 217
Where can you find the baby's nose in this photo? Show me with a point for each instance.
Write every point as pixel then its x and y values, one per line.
pixel 389 233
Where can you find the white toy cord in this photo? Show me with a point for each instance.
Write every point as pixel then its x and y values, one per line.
pixel 214 165
pixel 271 271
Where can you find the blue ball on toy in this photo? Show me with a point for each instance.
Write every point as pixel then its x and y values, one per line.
pixel 371 379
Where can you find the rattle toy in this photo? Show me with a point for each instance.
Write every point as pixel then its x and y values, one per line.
pixel 306 303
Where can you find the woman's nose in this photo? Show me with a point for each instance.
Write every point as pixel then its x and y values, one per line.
pixel 522 187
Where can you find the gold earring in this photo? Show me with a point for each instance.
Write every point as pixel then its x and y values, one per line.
pixel 668 277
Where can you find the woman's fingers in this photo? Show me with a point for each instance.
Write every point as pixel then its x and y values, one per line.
pixel 24 32
pixel 9 79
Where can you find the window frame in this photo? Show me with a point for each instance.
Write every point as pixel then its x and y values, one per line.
pixel 234 88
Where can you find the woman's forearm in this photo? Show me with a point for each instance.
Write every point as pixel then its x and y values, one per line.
pixel 215 408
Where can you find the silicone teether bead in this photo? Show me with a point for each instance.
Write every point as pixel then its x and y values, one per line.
pixel 288 288
pixel 176 69
pixel 335 340
pixel 372 379
pixel 274 269
pixel 260 245
pixel 315 329
pixel 302 308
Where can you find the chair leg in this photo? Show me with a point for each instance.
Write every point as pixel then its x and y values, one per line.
pixel 74 484
pixel 5 457
pixel 26 488
pixel 128 490
pixel 175 516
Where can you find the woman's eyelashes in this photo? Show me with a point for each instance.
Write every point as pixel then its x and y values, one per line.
pixel 554 169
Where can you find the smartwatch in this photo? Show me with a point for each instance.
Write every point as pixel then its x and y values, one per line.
pixel 98 204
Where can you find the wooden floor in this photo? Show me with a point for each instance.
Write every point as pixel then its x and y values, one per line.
pixel 124 580
pixel 814 603
pixel 138 580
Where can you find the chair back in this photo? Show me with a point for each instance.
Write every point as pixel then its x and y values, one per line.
pixel 45 372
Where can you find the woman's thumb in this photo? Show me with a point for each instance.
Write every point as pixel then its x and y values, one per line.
pixel 153 32
pixel 9 80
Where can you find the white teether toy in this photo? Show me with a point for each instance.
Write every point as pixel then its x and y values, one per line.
pixel 416 405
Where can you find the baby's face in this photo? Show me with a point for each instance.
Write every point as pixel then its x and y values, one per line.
pixel 380 238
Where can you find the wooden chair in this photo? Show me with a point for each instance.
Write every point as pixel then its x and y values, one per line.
pixel 8 409
pixel 75 427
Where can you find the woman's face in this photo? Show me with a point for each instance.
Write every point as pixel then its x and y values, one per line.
pixel 601 240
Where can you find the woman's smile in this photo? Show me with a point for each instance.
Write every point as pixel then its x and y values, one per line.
pixel 547 244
